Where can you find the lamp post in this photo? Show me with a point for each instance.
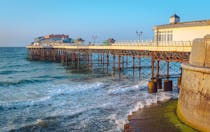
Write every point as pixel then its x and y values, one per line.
pixel 94 37
pixel 139 34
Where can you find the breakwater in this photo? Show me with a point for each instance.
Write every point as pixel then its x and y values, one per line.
pixel 193 106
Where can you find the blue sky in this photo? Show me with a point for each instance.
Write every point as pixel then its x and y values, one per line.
pixel 23 20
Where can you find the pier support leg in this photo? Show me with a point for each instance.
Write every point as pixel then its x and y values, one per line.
pixel 139 62
pixel 78 61
pixel 54 55
pixel 113 62
pixel 66 58
pixel 91 61
pixel 87 58
pixel 107 62
pixel 98 58
pixel 158 80
pixel 139 67
pixel 133 62
pixel 113 67
pixel 152 68
pixel 133 66
pixel 119 57
pixel 103 57
pixel 127 61
pixel 103 60
pixel 107 58
pixel 167 70
pixel 152 86
pixel 73 58
pixel 62 58
pixel 168 85
pixel 157 69
pixel 123 62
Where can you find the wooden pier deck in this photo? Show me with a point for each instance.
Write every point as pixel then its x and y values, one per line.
pixel 150 46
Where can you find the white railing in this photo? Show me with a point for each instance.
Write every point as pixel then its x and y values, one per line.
pixel 127 43
pixel 152 43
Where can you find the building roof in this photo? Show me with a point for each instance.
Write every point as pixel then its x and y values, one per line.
pixel 175 15
pixel 184 24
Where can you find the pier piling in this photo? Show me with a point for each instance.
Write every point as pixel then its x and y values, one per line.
pixel 79 56
pixel 168 84
pixel 152 86
pixel 119 57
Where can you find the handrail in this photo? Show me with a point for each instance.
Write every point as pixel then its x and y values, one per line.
pixel 151 43
pixel 180 46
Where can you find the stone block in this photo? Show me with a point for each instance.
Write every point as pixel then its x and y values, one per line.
pixel 197 56
pixel 207 57
pixel 194 98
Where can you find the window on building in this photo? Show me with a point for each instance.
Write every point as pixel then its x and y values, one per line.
pixel 164 36
pixel 158 36
pixel 170 36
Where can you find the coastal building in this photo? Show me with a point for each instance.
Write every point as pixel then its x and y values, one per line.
pixel 109 41
pixel 79 41
pixel 58 39
pixel 181 31
pixel 61 36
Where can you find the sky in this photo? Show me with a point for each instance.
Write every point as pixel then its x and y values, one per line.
pixel 23 20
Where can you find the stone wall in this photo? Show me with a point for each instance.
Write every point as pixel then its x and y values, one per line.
pixel 194 99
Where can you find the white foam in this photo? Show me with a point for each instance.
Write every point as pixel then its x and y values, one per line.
pixel 118 89
pixel 24 102
pixel 133 98
pixel 149 99
pixel 139 105
pixel 38 121
pixel 119 122
pixel 73 88
pixel 51 90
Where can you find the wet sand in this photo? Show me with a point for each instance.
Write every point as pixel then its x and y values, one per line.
pixel 157 118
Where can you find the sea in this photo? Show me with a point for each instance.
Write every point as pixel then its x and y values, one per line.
pixel 42 96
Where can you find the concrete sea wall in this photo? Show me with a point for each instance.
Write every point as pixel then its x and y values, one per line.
pixel 194 99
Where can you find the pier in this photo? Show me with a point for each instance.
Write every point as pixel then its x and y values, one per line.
pixel 116 55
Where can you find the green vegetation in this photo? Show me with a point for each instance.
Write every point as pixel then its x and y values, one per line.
pixel 170 114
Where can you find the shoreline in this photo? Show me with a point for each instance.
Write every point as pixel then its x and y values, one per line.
pixel 156 118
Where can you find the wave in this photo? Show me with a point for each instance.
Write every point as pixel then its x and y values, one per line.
pixel 21 82
pixel 145 100
pixel 21 104
pixel 53 121
pixel 24 64
pixel 65 89
pixel 119 122
pixel 54 77
pixel 153 99
pixel 8 72
pixel 60 77
pixel 125 88
pixel 52 92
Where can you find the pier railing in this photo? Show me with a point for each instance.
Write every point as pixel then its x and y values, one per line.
pixel 177 46
pixel 152 43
